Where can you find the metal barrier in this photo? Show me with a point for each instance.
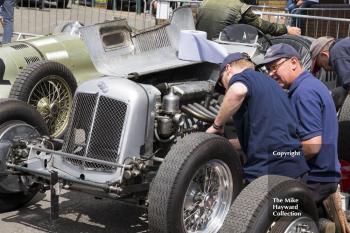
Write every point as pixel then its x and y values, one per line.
pixel 164 7
pixel 40 17
pixel 329 27
pixel 32 17
pixel 325 12
pixel 312 26
pixel 268 8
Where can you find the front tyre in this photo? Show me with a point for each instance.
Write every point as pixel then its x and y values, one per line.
pixel 17 120
pixel 195 185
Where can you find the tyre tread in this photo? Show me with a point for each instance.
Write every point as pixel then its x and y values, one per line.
pixel 165 181
pixel 246 208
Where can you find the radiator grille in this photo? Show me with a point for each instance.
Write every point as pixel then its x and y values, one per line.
pixel 151 40
pixel 31 59
pixel 95 133
pixel 19 46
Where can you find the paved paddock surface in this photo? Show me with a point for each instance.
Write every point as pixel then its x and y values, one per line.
pixel 78 213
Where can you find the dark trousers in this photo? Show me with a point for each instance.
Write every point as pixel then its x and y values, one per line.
pixel 321 191
pixel 301 22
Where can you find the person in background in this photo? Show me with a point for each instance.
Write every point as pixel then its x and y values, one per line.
pixel 300 7
pixel 309 3
pixel 215 15
pixel 293 4
pixel 264 121
pixel 332 55
pixel 6 19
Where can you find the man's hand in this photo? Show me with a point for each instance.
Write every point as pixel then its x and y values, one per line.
pixel 2 20
pixel 212 130
pixel 293 31
pixel 235 143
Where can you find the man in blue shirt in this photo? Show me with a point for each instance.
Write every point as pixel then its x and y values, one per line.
pixel 265 123
pixel 317 117
pixel 331 54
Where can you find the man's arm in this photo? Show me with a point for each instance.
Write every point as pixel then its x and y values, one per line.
pixel 341 67
pixel 234 97
pixel 266 27
pixel 309 112
pixel 312 147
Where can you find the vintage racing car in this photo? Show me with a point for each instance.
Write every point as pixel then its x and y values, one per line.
pixel 134 135
pixel 45 71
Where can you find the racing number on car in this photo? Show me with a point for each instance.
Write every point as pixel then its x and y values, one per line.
pixel 2 72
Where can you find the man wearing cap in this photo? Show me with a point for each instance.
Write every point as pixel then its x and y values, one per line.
pixel 317 117
pixel 331 54
pixel 264 121
pixel 215 15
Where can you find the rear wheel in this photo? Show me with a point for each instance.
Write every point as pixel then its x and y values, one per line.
pixel 264 202
pixel 17 120
pixel 294 224
pixel 194 186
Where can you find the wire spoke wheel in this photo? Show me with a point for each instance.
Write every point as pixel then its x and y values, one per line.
pixel 208 198
pixel 294 225
pixel 49 86
pixel 194 186
pixel 20 124
pixel 254 209
pixel 53 99
pixel 15 129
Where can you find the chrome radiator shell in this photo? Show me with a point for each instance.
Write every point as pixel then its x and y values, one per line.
pixel 111 121
pixel 95 129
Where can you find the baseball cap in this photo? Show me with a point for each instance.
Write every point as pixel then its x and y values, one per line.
pixel 316 48
pixel 278 51
pixel 228 60
pixel 231 58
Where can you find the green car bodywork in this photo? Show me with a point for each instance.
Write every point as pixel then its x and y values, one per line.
pixel 69 50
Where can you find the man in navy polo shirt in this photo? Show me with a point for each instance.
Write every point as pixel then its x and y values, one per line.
pixel 265 123
pixel 331 54
pixel 334 55
pixel 318 125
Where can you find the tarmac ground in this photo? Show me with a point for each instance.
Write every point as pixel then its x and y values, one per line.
pixel 78 213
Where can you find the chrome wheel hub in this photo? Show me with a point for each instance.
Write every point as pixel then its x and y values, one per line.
pixel 54 109
pixel 208 201
pixel 302 225
pixel 15 183
pixel 53 99
pixel 208 198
